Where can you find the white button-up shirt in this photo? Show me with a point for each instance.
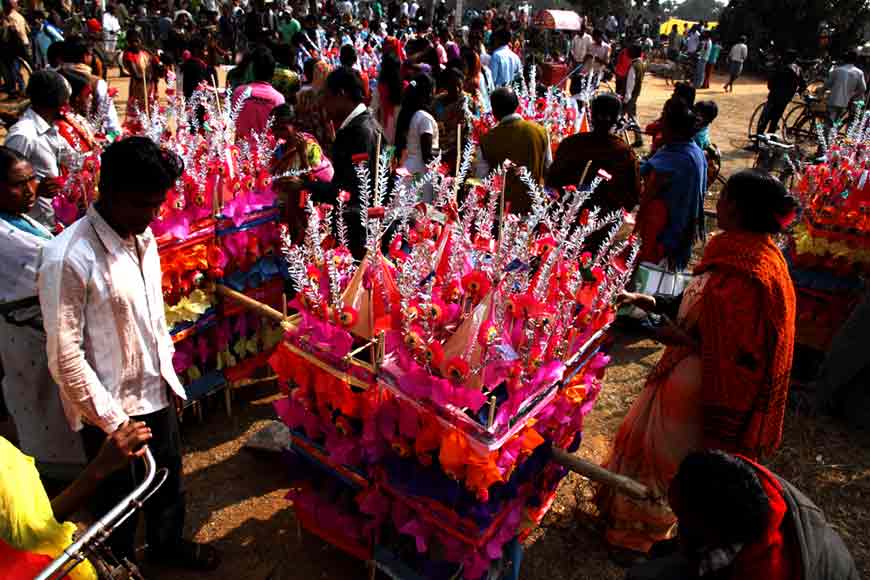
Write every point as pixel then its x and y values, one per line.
pixel 109 348
pixel 46 150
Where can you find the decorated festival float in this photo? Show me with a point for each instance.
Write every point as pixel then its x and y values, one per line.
pixel 829 250
pixel 431 386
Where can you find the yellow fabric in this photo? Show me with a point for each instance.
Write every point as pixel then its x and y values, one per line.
pixel 665 28
pixel 26 520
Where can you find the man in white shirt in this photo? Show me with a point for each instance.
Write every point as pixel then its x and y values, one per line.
pixel 693 40
pixel 412 9
pixel 736 58
pixel 109 348
pixel 611 26
pixel 846 82
pixel 403 9
pixel 580 46
pixel 599 50
pixel 35 136
pixel 111 28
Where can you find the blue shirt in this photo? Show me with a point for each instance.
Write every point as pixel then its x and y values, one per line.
pixel 505 66
pixel 686 167
pixel 702 137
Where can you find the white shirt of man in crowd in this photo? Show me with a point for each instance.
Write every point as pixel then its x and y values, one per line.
pixel 738 53
pixel 692 41
pixel 111 28
pixel 108 345
pixel 600 51
pixel 846 82
pixel 403 9
pixel 413 7
pixel 346 8
pixel 46 150
pixel 580 46
pixel 611 25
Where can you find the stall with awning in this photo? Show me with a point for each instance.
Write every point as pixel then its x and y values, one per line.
pixel 558 20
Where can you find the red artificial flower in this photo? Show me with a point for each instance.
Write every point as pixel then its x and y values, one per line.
pixel 434 355
pixel 313 275
pixel 452 293
pixel 433 311
pixel 343 196
pixel 476 283
pixel 347 316
pixel 488 333
pixel 413 340
pixel 544 245
pixel 456 370
pixel 359 158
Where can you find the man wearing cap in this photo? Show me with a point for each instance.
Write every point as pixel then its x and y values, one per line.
pixel 36 137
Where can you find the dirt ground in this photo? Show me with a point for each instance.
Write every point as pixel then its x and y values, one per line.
pixel 236 498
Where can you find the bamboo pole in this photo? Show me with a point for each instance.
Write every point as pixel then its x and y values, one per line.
pixel 145 88
pixel 255 305
pixel 598 474
pixel 585 171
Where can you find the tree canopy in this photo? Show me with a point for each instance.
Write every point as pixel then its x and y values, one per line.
pixel 795 23
pixel 698 10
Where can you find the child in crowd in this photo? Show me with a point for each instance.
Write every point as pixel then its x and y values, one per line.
pixel 706 112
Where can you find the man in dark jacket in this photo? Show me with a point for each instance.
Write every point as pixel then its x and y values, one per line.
pixel 739 521
pixel 785 82
pixel 603 150
pixel 356 141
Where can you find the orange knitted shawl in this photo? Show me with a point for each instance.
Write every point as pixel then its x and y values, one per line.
pixel 751 416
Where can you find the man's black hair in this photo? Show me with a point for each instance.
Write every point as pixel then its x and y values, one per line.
pixel 346 80
pixel 725 491
pixel 347 55
pixel 263 64
pixel 606 109
pixel 504 102
pixel 48 89
pixel 137 165
pixel 74 50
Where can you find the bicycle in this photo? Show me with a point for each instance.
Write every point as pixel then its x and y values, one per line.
pixel 801 121
pixel 683 69
pixel 778 158
pixel 626 128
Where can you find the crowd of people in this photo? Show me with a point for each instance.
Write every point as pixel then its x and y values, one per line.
pixel 86 353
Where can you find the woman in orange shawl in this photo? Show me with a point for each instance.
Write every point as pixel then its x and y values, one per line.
pixel 723 380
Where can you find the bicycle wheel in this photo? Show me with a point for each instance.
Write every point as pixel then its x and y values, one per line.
pixel 753 120
pixel 790 119
pixel 803 135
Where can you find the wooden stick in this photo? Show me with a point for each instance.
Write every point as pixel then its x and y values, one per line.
pixel 284 304
pixel 217 96
pixel 360 348
pixel 501 212
pixel 598 474
pixel 145 88
pixel 262 309
pixel 585 171
pixel 491 417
